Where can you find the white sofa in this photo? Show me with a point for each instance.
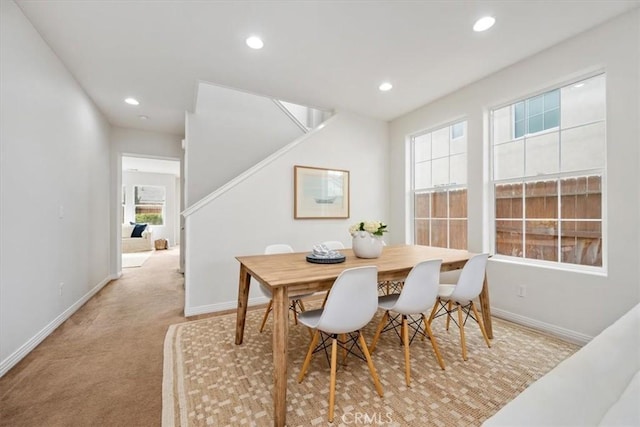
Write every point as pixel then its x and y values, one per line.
pixel 136 244
pixel 599 385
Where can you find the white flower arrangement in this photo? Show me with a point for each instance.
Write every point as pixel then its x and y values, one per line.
pixel 375 228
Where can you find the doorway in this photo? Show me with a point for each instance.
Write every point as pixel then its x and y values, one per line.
pixel 150 208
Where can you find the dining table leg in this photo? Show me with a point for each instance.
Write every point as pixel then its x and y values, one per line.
pixel 243 300
pixel 280 336
pixel 485 306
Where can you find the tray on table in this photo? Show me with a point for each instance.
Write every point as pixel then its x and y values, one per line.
pixel 323 260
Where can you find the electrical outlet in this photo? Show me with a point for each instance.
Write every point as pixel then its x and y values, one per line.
pixel 522 291
pixel 61 287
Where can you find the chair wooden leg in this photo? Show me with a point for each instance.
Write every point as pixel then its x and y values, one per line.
pixel 332 382
pixel 295 312
pixel 381 325
pixel 307 359
pixel 343 339
pixel 462 341
pixel 372 369
pixel 449 308
pixel 434 310
pixel 481 323
pixel 301 306
pixel 432 338
pixel 324 301
pixel 407 359
pixel 266 315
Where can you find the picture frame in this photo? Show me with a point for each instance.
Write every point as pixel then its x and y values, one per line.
pixel 320 193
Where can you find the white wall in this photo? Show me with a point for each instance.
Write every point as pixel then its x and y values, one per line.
pixel 55 184
pixel 259 210
pixel 223 143
pixel 143 143
pixel 568 303
pixel 169 228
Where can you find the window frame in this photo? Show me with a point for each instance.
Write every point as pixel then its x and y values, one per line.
pixel 602 172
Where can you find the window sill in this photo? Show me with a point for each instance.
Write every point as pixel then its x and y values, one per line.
pixel 569 268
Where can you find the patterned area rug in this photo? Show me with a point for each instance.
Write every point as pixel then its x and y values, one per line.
pixel 209 381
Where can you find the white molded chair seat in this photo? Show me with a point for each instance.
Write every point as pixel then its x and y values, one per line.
pixel 462 295
pixel 417 296
pixel 295 301
pixel 351 304
pixel 445 290
pixel 334 245
pixel 310 318
pixel 387 302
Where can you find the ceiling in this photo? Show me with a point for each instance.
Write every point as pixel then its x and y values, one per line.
pixel 325 54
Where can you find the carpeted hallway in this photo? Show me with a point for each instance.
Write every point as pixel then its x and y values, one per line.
pixel 103 366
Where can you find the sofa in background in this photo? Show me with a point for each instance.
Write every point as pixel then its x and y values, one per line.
pixel 599 385
pixel 136 244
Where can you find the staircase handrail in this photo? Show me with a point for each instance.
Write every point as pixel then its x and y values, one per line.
pixel 289 114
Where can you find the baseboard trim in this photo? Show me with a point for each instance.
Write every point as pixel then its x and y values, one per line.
pixel 221 306
pixel 32 343
pixel 565 334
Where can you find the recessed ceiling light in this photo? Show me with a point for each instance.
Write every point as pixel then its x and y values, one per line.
pixel 255 42
pixel 143 117
pixel 132 101
pixel 484 23
pixel 386 86
pixel 578 85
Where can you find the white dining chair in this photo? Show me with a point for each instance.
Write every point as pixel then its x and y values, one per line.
pixel 295 301
pixel 334 245
pixel 462 295
pixel 352 303
pixel 418 295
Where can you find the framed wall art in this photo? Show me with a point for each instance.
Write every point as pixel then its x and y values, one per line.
pixel 320 193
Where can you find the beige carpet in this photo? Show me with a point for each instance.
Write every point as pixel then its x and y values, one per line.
pixel 208 380
pixel 103 366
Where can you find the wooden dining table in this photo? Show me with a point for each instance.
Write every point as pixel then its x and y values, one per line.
pixel 290 275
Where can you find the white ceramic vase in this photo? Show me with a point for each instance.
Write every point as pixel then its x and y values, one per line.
pixel 366 245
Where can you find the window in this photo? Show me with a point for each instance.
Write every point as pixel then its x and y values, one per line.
pixel 536 114
pixel 457 130
pixel 150 201
pixel 439 171
pixel 548 169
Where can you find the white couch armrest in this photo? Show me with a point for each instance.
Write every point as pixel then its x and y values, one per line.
pixel 584 387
